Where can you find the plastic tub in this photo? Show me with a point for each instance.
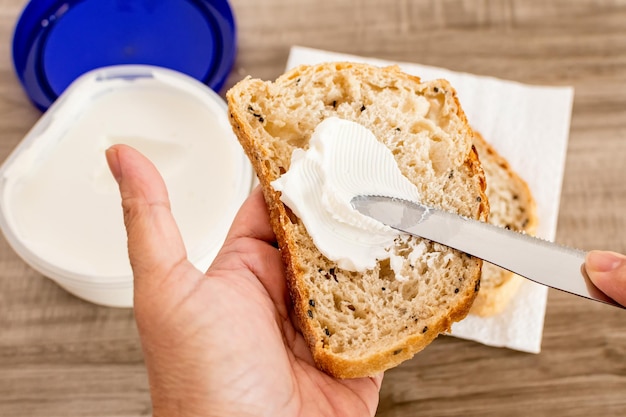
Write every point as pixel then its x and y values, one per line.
pixel 59 205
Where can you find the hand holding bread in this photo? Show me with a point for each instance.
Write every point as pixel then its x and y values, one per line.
pixel 225 342
pixel 221 343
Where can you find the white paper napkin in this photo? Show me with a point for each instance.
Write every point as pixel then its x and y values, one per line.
pixel 529 126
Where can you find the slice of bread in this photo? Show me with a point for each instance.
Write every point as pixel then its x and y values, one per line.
pixel 359 324
pixel 512 206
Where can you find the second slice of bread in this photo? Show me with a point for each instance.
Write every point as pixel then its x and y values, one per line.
pixel 511 206
pixel 359 324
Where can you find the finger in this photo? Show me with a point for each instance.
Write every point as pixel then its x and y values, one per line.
pixel 252 220
pixel 251 226
pixel 607 270
pixel 378 380
pixel 251 244
pixel 363 388
pixel 155 246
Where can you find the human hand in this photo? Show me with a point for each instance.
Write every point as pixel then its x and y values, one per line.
pixel 607 271
pixel 221 343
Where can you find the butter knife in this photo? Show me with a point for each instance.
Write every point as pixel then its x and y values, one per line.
pixel 541 261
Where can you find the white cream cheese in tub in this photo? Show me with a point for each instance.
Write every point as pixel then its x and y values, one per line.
pixel 60 207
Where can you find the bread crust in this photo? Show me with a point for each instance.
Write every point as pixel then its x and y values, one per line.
pixel 283 222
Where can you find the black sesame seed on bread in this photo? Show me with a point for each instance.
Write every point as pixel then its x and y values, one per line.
pixel 359 324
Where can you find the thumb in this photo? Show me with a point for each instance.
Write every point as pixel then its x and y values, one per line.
pixel 155 246
pixel 607 270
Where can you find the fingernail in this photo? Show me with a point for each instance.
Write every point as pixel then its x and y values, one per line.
pixel 114 164
pixel 602 261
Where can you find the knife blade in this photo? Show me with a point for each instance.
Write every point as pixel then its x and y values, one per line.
pixel 540 261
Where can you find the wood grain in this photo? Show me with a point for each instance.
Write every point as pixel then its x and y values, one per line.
pixel 60 356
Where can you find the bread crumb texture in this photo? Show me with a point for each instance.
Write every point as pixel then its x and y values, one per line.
pixel 359 324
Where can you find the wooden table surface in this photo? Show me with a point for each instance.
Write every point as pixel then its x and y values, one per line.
pixel 60 356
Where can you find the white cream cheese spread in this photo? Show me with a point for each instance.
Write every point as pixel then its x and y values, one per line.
pixel 344 159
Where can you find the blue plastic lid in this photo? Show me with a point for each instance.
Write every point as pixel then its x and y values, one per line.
pixel 56 41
